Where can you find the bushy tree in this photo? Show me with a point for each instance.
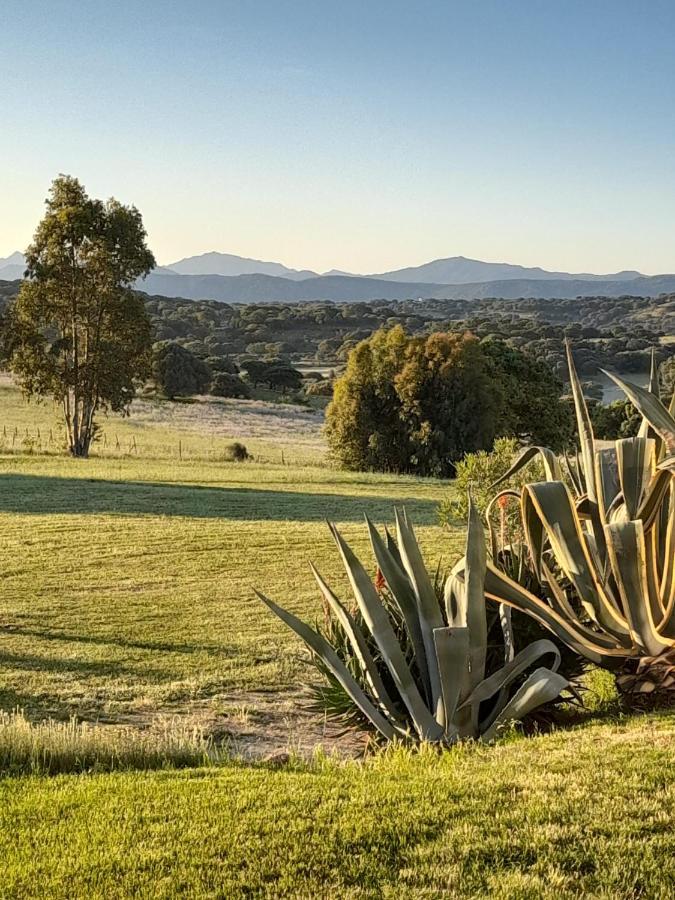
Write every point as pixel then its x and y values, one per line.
pixel 613 421
pixel 77 332
pixel 283 378
pixel 177 372
pixel 412 404
pixel 225 384
pixel 529 397
pixel 222 364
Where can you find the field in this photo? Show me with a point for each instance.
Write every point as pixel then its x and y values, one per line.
pixel 127 602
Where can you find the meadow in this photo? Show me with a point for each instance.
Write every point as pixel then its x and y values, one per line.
pixel 127 604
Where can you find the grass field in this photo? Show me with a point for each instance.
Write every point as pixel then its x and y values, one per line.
pixel 126 601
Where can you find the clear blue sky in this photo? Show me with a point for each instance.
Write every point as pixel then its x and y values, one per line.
pixel 361 135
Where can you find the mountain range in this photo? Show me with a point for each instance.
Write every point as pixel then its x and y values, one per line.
pixel 230 278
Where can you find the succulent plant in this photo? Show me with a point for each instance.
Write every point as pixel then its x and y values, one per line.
pixel 600 546
pixel 413 669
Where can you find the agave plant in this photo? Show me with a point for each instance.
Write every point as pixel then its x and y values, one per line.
pixel 601 546
pixel 434 685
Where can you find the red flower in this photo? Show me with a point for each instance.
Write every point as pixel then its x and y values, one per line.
pixel 379 581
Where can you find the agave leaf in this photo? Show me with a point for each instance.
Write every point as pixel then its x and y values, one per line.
pixel 555 508
pixel 334 664
pixel 508 673
pixel 392 547
pixel 380 627
pixel 507 632
pixel 541 687
pixel 606 480
pixel 429 609
pixel 667 585
pixel 361 651
pixel 585 428
pixel 645 430
pixel 573 474
pixel 635 458
pixel 563 607
pixel 651 408
pixel 628 555
pixel 654 498
pixel 452 652
pixel 403 593
pixel 502 589
pixel 548 458
pixel 474 575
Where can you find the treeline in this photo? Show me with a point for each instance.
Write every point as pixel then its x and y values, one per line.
pixel 616 333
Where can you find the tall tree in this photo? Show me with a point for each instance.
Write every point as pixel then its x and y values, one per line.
pixel 77 332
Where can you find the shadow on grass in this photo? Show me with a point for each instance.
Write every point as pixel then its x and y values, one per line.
pixel 37 494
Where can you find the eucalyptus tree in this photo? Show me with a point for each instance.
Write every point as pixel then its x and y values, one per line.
pixel 77 332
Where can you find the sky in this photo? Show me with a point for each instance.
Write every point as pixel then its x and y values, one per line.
pixel 363 136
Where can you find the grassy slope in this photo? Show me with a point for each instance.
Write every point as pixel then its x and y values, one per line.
pixel 127 592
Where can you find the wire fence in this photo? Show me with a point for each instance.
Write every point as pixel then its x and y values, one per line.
pixel 15 440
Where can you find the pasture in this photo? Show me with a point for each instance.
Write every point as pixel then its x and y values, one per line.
pixel 126 602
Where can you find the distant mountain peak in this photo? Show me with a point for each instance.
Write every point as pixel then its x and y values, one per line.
pixel 216 263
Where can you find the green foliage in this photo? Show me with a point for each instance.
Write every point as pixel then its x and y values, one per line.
pixel 529 395
pixel 221 364
pixel 323 388
pixel 412 669
pixel 76 331
pixel 177 372
pixel 615 420
pixel 411 404
pixel 226 385
pixel 477 473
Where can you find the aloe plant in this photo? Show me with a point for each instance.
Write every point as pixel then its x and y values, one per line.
pixel 601 546
pixel 434 685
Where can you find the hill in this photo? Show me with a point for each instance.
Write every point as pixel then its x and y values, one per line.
pixel 353 288
pixel 229 264
pixel 460 270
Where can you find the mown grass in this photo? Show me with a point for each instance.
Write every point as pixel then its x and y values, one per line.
pixel 589 813
pixel 127 584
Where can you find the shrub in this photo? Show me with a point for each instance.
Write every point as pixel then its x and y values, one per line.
pixel 225 384
pixel 478 472
pixel 236 452
pixel 320 389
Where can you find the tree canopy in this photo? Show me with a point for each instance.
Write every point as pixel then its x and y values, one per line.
pixel 412 404
pixel 77 332
pixel 177 372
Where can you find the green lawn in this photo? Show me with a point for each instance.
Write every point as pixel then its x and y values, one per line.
pixel 583 814
pixel 126 599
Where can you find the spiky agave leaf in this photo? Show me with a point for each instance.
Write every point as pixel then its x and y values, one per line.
pixel 614 547
pixel 369 655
